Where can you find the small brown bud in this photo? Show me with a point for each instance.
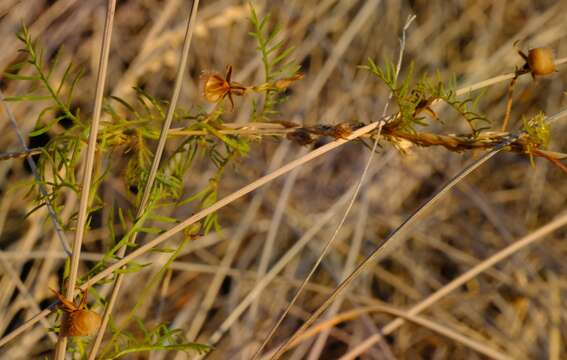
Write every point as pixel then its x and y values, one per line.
pixel 283 84
pixel 80 323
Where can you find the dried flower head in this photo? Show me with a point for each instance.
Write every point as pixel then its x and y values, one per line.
pixel 217 87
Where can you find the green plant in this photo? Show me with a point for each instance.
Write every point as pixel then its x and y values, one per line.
pixel 414 99
pixel 274 54
pixel 158 338
pixel 131 128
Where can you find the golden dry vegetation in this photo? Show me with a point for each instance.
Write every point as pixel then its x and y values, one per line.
pixel 228 287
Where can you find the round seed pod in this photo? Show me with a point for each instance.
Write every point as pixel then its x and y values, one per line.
pixel 541 61
pixel 79 323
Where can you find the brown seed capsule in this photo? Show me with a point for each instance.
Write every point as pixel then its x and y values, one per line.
pixel 77 321
pixel 540 61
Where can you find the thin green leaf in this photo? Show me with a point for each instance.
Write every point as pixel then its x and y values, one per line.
pixel 199 348
pixel 149 230
pixel 13 76
pixel 28 98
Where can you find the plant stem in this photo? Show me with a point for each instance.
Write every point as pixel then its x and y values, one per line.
pixel 60 349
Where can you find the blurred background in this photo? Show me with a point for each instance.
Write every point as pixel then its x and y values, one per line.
pixel 518 307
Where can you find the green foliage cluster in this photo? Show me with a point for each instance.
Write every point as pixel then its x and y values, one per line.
pixel 126 136
pixel 413 99
pixel 127 131
pixel 60 156
pixel 274 54
pixel 537 130
pixel 159 338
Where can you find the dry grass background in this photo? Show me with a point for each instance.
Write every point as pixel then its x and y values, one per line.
pixel 517 307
